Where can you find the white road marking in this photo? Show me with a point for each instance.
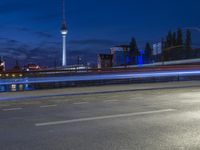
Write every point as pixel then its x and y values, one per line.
pixel 11 109
pixel 4 105
pixel 107 101
pixel 103 117
pixel 46 106
pixel 80 103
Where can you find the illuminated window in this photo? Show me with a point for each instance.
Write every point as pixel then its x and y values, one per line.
pixel 13 87
pixel 21 87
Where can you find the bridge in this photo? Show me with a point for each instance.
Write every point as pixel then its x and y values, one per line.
pixel 62 78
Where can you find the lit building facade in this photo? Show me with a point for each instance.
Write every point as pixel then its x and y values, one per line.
pixel 105 61
pixel 157 51
pixel 121 55
pixel 32 67
pixel 2 65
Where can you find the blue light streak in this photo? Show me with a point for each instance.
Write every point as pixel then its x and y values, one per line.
pixel 113 76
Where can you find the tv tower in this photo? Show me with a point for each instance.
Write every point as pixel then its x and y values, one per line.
pixel 64 32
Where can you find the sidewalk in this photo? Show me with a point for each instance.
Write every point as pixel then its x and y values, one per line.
pixel 94 89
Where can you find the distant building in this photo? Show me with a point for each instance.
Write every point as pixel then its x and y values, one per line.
pixel 157 51
pixel 105 60
pixel 2 65
pixel 121 55
pixel 157 48
pixel 17 67
pixel 140 58
pixel 32 67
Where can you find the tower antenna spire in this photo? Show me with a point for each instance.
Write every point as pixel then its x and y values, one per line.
pixel 64 11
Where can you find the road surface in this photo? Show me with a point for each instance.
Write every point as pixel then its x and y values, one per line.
pixel 150 118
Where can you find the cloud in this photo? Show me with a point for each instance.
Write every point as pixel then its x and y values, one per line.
pixel 44 34
pixel 93 42
pixel 13 6
pixel 46 53
pixel 20 30
pixel 47 17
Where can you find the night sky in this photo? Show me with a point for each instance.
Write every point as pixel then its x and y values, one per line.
pixel 30 29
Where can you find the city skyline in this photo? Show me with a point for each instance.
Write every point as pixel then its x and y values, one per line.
pixel 30 32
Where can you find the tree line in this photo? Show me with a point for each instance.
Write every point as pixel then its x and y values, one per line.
pixel 175 46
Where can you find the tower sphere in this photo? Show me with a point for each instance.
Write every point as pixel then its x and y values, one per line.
pixel 64 30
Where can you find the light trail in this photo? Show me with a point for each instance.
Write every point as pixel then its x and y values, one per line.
pixel 110 76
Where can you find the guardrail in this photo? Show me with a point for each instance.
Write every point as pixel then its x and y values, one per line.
pixel 50 73
pixel 31 83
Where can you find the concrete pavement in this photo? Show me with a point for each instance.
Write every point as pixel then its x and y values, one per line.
pixel 95 89
pixel 143 120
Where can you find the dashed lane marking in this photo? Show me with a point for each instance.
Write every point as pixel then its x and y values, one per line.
pixel 107 101
pixel 11 109
pixel 80 103
pixel 47 106
pixel 102 117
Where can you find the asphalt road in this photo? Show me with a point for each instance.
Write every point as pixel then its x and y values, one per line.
pixel 158 119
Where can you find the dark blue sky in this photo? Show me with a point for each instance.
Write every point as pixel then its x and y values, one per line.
pixel 29 29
